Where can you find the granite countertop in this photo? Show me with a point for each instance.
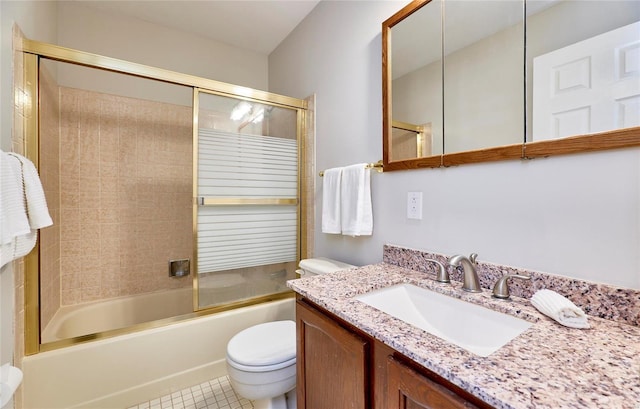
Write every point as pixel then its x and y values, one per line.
pixel 547 366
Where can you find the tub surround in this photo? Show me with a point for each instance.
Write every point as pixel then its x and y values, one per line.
pixel 547 366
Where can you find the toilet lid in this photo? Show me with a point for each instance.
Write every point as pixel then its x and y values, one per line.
pixel 264 344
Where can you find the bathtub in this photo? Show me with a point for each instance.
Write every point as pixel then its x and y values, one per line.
pixel 128 369
pixel 76 320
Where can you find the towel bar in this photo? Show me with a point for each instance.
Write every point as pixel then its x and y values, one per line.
pixel 377 166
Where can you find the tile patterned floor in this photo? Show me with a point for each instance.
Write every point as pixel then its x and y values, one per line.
pixel 214 394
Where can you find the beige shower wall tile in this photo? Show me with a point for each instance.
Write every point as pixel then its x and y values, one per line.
pixel 90 248
pixel 89 143
pixel 110 268
pixel 109 291
pixel 90 169
pixel 108 169
pixel 90 294
pixel 109 183
pixel 90 233
pixel 70 200
pixel 71 281
pixel 109 199
pixel 90 277
pixel 71 297
pixel 70 184
pixel 109 148
pixel 108 215
pixel 70 216
pixel 68 232
pixel 70 265
pixel 110 251
pixel 110 231
pixel 88 216
pixel 70 248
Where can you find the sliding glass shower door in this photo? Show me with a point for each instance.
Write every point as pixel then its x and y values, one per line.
pixel 246 206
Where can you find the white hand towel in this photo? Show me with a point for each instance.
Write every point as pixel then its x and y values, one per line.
pixel 331 201
pixel 356 211
pixel 23 208
pixel 13 217
pixel 559 308
pixel 37 210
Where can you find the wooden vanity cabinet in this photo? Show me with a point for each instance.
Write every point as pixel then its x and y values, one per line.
pixel 338 366
pixel 331 363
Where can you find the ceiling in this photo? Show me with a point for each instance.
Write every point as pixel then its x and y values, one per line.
pixel 256 25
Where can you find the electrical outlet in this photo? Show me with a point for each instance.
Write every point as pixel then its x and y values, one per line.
pixel 414 205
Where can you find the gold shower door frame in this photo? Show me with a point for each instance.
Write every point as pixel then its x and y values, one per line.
pixel 33 51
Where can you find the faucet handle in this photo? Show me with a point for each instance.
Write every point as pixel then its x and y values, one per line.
pixel 473 257
pixel 501 288
pixel 442 275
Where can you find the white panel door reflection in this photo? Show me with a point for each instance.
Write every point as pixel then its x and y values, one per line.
pixel 588 87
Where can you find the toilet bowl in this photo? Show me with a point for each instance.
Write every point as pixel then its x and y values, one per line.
pixel 261 364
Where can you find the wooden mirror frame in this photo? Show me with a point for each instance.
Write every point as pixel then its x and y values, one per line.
pixel 616 139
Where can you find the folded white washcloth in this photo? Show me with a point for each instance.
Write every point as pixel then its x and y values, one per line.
pixel 560 308
pixel 331 201
pixel 356 211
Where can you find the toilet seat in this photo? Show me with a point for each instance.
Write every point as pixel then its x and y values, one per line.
pixel 264 347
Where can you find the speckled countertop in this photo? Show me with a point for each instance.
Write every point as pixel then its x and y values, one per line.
pixel 547 366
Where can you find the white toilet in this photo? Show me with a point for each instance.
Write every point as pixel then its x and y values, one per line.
pixel 261 363
pixel 261 360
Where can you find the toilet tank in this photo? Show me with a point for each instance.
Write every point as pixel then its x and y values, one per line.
pixel 321 265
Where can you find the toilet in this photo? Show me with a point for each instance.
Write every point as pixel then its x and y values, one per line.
pixel 261 363
pixel 261 360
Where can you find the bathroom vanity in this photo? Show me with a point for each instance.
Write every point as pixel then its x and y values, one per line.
pixel 350 353
pixel 363 372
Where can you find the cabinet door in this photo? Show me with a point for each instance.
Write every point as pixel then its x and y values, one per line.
pixel 331 363
pixel 408 389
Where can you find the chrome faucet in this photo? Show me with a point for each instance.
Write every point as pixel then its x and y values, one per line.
pixel 471 282
pixel 443 275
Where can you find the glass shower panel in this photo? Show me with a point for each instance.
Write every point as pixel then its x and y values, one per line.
pixel 247 199
pixel 116 164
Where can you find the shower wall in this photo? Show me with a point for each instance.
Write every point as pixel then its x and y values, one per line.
pixel 125 178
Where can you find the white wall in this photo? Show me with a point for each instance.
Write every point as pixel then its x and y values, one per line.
pixel 85 29
pixel 575 215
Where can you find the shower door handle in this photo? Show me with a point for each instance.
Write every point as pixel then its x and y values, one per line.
pixel 243 201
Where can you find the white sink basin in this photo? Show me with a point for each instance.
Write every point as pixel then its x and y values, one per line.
pixel 475 328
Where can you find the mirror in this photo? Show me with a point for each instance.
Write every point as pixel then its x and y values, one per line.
pixel 585 80
pixel 498 102
pixel 484 74
pixel 416 85
pixel 412 87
